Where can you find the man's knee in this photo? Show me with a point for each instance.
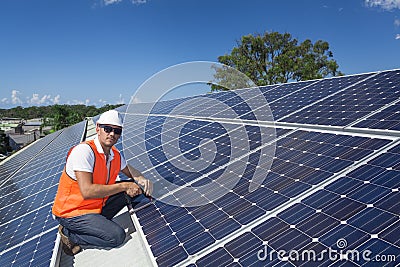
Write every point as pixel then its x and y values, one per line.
pixel 117 237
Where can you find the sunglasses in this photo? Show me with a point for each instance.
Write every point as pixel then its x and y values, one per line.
pixel 109 129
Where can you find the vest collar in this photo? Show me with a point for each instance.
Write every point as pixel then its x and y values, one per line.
pixel 100 148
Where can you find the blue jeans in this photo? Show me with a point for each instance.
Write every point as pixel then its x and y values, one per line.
pixel 97 229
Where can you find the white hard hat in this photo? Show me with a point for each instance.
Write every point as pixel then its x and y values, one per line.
pixel 110 117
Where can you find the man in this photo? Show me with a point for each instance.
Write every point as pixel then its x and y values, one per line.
pixel 88 196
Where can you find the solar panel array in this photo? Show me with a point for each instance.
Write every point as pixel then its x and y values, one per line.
pixel 333 183
pixel 329 185
pixel 27 229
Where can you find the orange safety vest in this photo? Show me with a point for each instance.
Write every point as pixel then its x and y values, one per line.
pixel 69 201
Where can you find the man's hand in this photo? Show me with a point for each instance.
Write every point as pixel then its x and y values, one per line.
pixel 132 189
pixel 145 184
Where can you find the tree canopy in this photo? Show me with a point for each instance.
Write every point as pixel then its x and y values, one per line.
pixel 276 57
pixel 57 116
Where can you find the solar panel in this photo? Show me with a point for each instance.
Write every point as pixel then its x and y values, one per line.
pixel 8 167
pixel 27 229
pixel 353 103
pixel 386 119
pixel 309 94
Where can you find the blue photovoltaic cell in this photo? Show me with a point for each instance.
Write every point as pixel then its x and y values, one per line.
pixel 353 236
pixel 353 103
pixel 391 234
pixel 243 244
pixel 218 257
pixel 373 220
pixel 27 229
pixel 316 224
pixel 388 254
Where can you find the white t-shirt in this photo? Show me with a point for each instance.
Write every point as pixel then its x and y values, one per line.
pixel 82 159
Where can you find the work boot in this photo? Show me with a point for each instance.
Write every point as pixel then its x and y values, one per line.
pixel 69 247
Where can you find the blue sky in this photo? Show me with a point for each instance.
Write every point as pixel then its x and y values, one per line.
pixel 100 51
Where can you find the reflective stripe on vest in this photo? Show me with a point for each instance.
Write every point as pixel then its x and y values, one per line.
pixel 69 201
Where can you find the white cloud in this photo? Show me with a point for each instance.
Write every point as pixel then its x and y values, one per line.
pixel 397 36
pixel 76 102
pixel 37 100
pixel 44 99
pixel 4 100
pixel 139 2
pixel 397 22
pixel 135 100
pixel 14 97
pixel 102 101
pixel 384 4
pixel 56 99
pixel 121 100
pixel 110 2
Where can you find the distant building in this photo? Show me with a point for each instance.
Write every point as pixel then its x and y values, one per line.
pixel 21 132
pixel 18 141
pixel 32 125
pixel 8 127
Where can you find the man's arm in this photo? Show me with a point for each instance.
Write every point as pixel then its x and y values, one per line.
pixel 138 177
pixel 90 190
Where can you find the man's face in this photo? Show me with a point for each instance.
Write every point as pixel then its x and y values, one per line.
pixel 107 135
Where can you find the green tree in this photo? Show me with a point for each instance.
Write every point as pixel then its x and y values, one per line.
pixel 60 117
pixel 74 117
pixel 276 57
pixel 4 143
